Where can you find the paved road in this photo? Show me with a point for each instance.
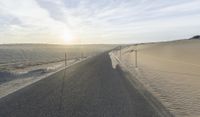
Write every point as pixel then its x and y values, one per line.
pixel 90 89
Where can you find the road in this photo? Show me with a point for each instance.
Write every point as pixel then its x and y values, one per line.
pixel 91 88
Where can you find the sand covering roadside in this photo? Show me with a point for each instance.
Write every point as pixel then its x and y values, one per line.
pixel 18 83
pixel 171 71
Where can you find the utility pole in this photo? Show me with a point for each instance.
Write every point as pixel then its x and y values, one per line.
pixel 65 59
pixel 81 49
pixel 136 65
pixel 120 52
pixel 82 56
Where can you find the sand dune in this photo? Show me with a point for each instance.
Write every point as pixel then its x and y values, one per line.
pixel 171 71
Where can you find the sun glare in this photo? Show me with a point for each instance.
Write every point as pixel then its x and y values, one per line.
pixel 68 38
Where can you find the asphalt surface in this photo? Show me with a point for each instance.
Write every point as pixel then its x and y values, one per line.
pixel 91 88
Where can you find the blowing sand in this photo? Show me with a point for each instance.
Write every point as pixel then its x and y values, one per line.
pixel 170 71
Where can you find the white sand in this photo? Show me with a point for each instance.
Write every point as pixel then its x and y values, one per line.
pixel 18 83
pixel 171 71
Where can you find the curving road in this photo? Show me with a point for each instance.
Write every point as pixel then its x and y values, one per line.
pixel 91 88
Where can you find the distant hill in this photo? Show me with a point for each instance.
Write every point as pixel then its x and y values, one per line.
pixel 196 37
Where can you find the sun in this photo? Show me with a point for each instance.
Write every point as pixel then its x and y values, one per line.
pixel 68 37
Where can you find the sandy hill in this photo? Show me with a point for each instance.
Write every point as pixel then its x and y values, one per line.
pixel 170 71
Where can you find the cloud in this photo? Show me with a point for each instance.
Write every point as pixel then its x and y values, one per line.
pixel 92 21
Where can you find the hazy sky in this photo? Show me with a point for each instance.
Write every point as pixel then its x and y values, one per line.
pixel 97 21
